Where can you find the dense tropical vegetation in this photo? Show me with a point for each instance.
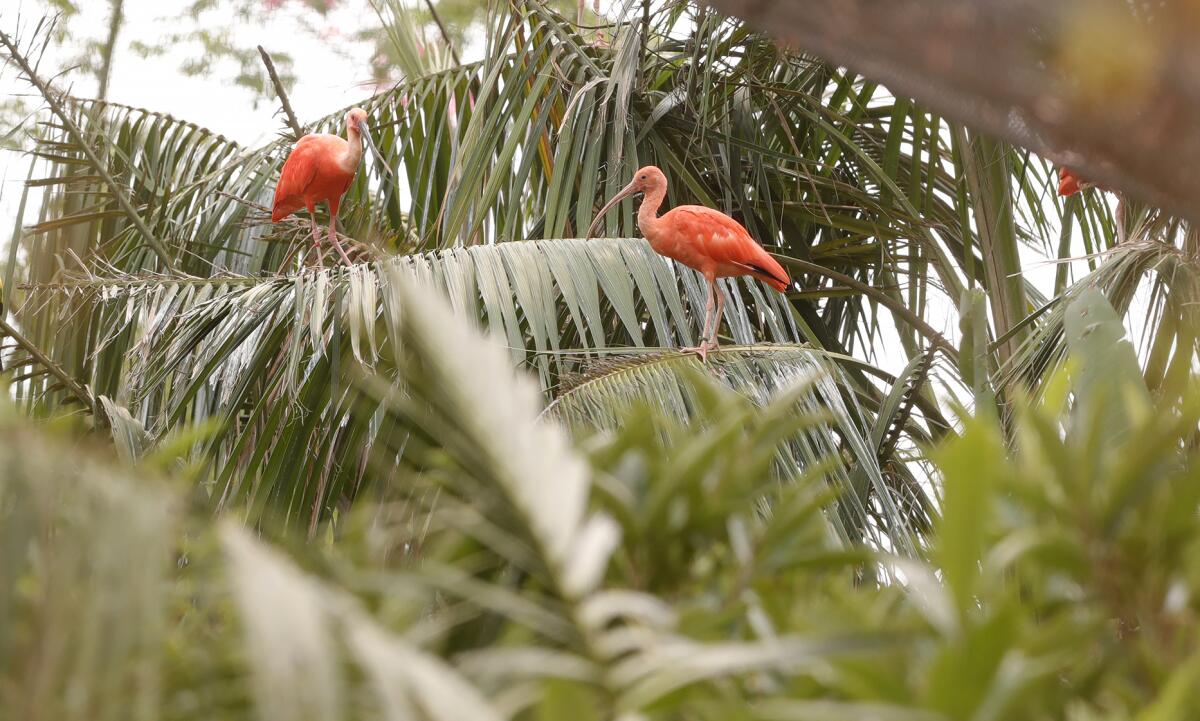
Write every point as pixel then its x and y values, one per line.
pixel 468 477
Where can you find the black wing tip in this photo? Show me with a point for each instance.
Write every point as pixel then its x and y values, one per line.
pixel 763 271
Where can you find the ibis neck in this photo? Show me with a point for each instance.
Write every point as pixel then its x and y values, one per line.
pixel 353 149
pixel 648 213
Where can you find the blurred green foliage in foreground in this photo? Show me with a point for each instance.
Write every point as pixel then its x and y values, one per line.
pixel 655 571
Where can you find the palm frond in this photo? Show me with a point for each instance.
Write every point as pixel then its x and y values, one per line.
pixel 988 174
pixel 820 164
pixel 841 444
pixel 40 376
pixel 1165 273
pixel 91 156
pixel 182 180
pixel 67 599
pixel 271 358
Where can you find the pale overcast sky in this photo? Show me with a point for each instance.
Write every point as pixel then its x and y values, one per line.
pixel 332 71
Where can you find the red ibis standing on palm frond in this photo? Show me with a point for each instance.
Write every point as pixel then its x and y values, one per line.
pixel 703 239
pixel 321 168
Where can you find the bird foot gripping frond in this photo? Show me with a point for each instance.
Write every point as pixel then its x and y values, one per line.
pixel 353 250
pixel 702 349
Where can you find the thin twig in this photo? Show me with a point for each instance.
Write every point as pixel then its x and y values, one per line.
pixel 76 136
pixel 445 34
pixel 283 98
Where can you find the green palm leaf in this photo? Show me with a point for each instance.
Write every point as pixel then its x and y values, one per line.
pixel 269 358
pixel 842 444
pixel 820 164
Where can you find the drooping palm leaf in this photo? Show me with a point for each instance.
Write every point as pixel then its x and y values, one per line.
pixel 269 357
pixel 180 177
pixel 818 163
pixel 821 165
pixel 1168 321
pixel 868 507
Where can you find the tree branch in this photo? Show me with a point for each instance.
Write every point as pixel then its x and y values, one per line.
pixel 283 98
pixel 445 33
pixel 1106 87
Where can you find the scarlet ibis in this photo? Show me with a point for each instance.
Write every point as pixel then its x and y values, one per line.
pixel 703 239
pixel 1069 183
pixel 321 168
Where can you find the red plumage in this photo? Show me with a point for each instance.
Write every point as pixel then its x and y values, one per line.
pixel 1068 182
pixel 703 239
pixel 320 169
pixel 708 240
pixel 312 173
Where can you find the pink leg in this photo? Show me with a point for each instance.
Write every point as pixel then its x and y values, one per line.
pixel 316 241
pixel 333 235
pixel 713 297
pixel 712 339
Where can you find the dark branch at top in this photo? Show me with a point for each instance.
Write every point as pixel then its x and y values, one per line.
pixel 1106 87
pixel 297 128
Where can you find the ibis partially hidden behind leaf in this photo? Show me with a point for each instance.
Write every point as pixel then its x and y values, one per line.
pixel 321 168
pixel 1070 183
pixel 703 239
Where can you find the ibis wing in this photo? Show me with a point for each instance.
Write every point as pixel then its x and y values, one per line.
pixel 298 173
pixel 727 242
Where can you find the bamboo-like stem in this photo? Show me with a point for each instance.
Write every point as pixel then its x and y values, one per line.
pixel 114 27
pixel 159 248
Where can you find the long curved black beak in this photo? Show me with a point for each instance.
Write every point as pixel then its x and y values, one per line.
pixel 627 191
pixel 366 136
